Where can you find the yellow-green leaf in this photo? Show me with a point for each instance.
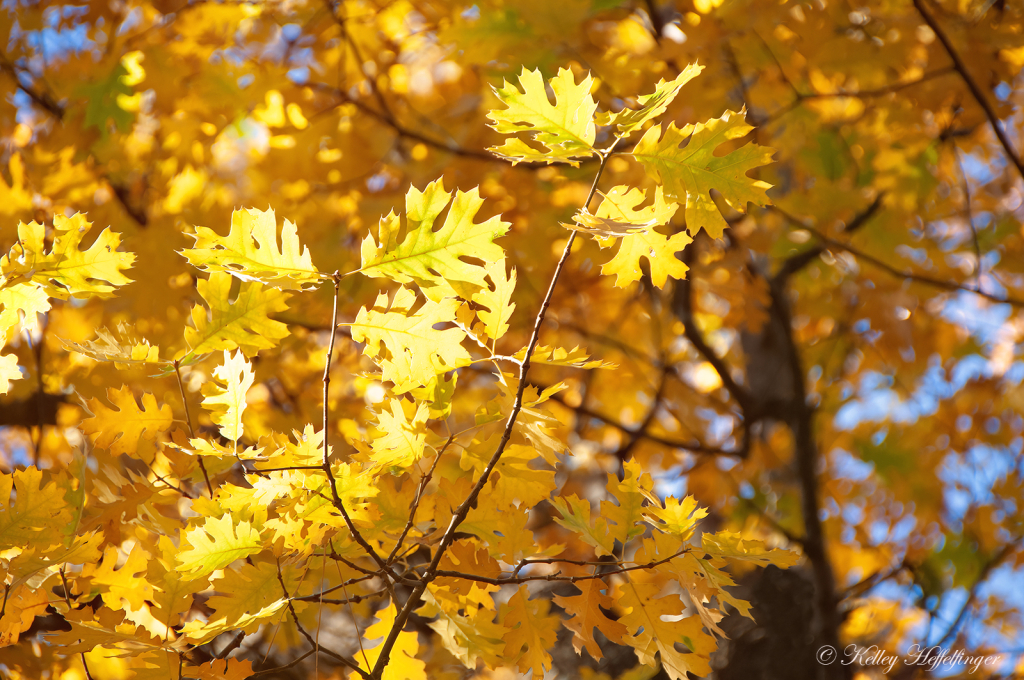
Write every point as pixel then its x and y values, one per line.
pixel 576 517
pixel 726 544
pixel 565 129
pixel 243 323
pixel 225 398
pixel 651 105
pixel 405 344
pixel 432 258
pixel 250 251
pixel 215 545
pixel 66 270
pixel 689 173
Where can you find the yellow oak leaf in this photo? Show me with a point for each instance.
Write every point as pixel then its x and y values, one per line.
pixel 35 511
pixel 431 257
pixel 405 344
pixel 530 632
pixel 678 518
pixel 619 215
pixel 250 252
pixel 15 198
pixel 127 428
pixel 127 583
pixel 243 323
pixel 403 664
pixel 652 637
pixel 576 518
pixel 651 105
pixel 172 594
pixel 497 305
pixel 576 357
pixel 244 598
pixel 402 435
pixel 467 557
pixel 23 605
pixel 221 669
pixel 109 629
pixel 467 630
pixel 21 300
pixel 215 545
pixel 225 398
pixel 33 566
pixel 626 514
pixel 565 129
pixel 586 615
pixel 65 270
pixel 731 545
pixel 660 252
pixel 121 348
pixel 689 173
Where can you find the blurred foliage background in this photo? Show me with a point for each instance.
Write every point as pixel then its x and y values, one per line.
pixel 839 374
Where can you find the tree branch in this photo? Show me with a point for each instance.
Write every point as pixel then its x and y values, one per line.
pixel 463 510
pixel 797 262
pixel 336 499
pixel 899 273
pixel 972 85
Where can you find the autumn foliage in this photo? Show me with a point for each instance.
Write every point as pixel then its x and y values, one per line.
pixel 406 340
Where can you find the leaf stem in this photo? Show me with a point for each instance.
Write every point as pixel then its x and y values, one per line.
pixel 463 510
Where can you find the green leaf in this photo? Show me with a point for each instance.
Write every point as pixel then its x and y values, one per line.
pixel 432 258
pixel 565 129
pixel 651 105
pixel 101 101
pixel 250 252
pixel 689 173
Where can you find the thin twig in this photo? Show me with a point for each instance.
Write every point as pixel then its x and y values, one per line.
pixel 513 580
pixel 67 600
pixel 470 502
pixel 337 502
pixel 900 273
pixel 291 664
pixel 345 661
pixel 416 501
pixel 972 85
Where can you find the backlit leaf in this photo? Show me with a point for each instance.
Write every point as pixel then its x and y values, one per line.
pixel 564 129
pixel 683 161
pixel 250 251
